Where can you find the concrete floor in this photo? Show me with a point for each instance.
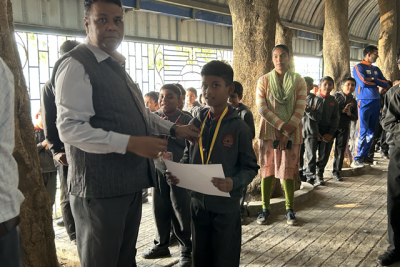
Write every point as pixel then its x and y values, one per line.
pixel 343 225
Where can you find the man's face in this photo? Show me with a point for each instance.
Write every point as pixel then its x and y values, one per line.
pixel 234 99
pixel 215 90
pixel 150 103
pixel 169 101
pixel 326 87
pixel 349 87
pixel 373 56
pixel 105 26
pixel 190 97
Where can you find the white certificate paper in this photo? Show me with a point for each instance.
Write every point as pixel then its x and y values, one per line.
pixel 197 177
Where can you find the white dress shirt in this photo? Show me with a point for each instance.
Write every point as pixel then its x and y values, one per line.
pixel 10 197
pixel 75 108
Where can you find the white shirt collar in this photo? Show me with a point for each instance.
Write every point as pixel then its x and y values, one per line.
pixel 101 55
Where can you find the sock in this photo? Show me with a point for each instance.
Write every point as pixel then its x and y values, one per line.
pixel 266 187
pixel 288 186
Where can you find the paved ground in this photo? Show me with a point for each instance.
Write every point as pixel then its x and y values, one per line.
pixel 344 225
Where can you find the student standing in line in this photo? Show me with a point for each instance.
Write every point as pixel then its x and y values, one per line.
pixel 151 101
pixel 216 227
pixel 281 99
pixel 191 104
pixel 348 112
pixel 310 120
pixel 171 204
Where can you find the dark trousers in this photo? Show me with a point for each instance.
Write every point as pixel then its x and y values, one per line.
pixel 342 136
pixel 301 161
pixel 171 206
pixel 393 201
pixel 242 199
pixel 311 145
pixel 68 219
pixel 107 229
pixel 324 150
pixel 11 249
pixel 50 183
pixel 378 134
pixel 217 238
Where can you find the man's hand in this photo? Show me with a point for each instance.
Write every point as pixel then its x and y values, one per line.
pixel 288 129
pixel 327 138
pixel 44 144
pixel 224 185
pixel 147 147
pixel 369 78
pixel 319 137
pixel 172 179
pixel 283 142
pixel 61 158
pixel 189 132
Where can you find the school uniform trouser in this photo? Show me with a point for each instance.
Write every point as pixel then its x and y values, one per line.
pixel 301 159
pixel 68 218
pixel 11 249
pixel 368 116
pixel 384 142
pixel 377 137
pixel 393 201
pixel 342 136
pixel 216 237
pixel 171 206
pixel 324 150
pixel 50 183
pixel 107 229
pixel 311 145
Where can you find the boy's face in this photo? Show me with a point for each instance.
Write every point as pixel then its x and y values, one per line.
pixel 190 97
pixel 39 122
pixel 348 87
pixel 234 99
pixel 326 87
pixel 203 100
pixel 169 101
pixel 309 88
pixel 150 103
pixel 215 90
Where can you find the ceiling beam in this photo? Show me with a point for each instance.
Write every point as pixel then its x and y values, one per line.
pixel 295 10
pixel 203 5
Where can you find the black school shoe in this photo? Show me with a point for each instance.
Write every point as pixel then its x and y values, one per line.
pixel 387 258
pixel 368 160
pixel 290 217
pixel 385 155
pixel 185 260
pixel 320 180
pixel 155 253
pixel 310 181
pixel 263 217
pixel 337 177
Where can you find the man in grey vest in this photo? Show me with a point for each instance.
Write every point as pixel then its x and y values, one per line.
pixel 102 120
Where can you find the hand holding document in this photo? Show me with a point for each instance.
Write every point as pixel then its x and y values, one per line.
pixel 197 177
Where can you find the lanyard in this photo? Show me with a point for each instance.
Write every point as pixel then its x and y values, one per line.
pixel 214 137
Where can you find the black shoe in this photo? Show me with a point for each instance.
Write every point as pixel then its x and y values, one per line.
pixel 387 258
pixel 60 223
pixel 263 217
pixel 310 181
pixel 290 217
pixel 384 155
pixel 337 178
pixel 368 160
pixel 357 164
pixel 153 253
pixel 320 181
pixel 185 260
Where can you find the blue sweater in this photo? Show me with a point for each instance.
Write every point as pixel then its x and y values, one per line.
pixel 367 90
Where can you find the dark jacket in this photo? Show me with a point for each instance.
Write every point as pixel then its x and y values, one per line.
pixel 176 146
pixel 388 96
pixel 233 149
pixel 330 115
pixel 343 100
pixel 312 116
pixel 391 121
pixel 246 115
pixel 49 118
pixel 45 155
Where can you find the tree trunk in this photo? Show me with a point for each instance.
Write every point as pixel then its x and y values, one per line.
pixel 336 48
pixel 284 35
pixel 36 222
pixel 254 28
pixel 388 45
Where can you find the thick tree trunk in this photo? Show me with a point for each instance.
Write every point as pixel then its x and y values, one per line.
pixel 388 45
pixel 36 222
pixel 336 40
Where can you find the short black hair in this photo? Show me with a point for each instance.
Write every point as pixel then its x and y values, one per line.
pixel 193 90
pixel 238 88
pixel 220 69
pixel 327 78
pixel 309 81
pixel 173 88
pixel 183 91
pixel 284 47
pixel 68 46
pixel 153 95
pixel 88 4
pixel 345 79
pixel 369 49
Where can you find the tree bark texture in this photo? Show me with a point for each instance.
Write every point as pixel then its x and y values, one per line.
pixel 36 217
pixel 254 31
pixel 388 45
pixel 336 47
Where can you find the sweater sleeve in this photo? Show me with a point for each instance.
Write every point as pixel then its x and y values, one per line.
pixel 316 112
pixel 391 121
pixel 300 103
pixel 380 80
pixel 263 110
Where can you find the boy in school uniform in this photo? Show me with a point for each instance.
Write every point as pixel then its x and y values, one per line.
pixel 191 104
pixel 310 120
pixel 171 204
pixel 151 101
pixel 348 112
pixel 216 226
